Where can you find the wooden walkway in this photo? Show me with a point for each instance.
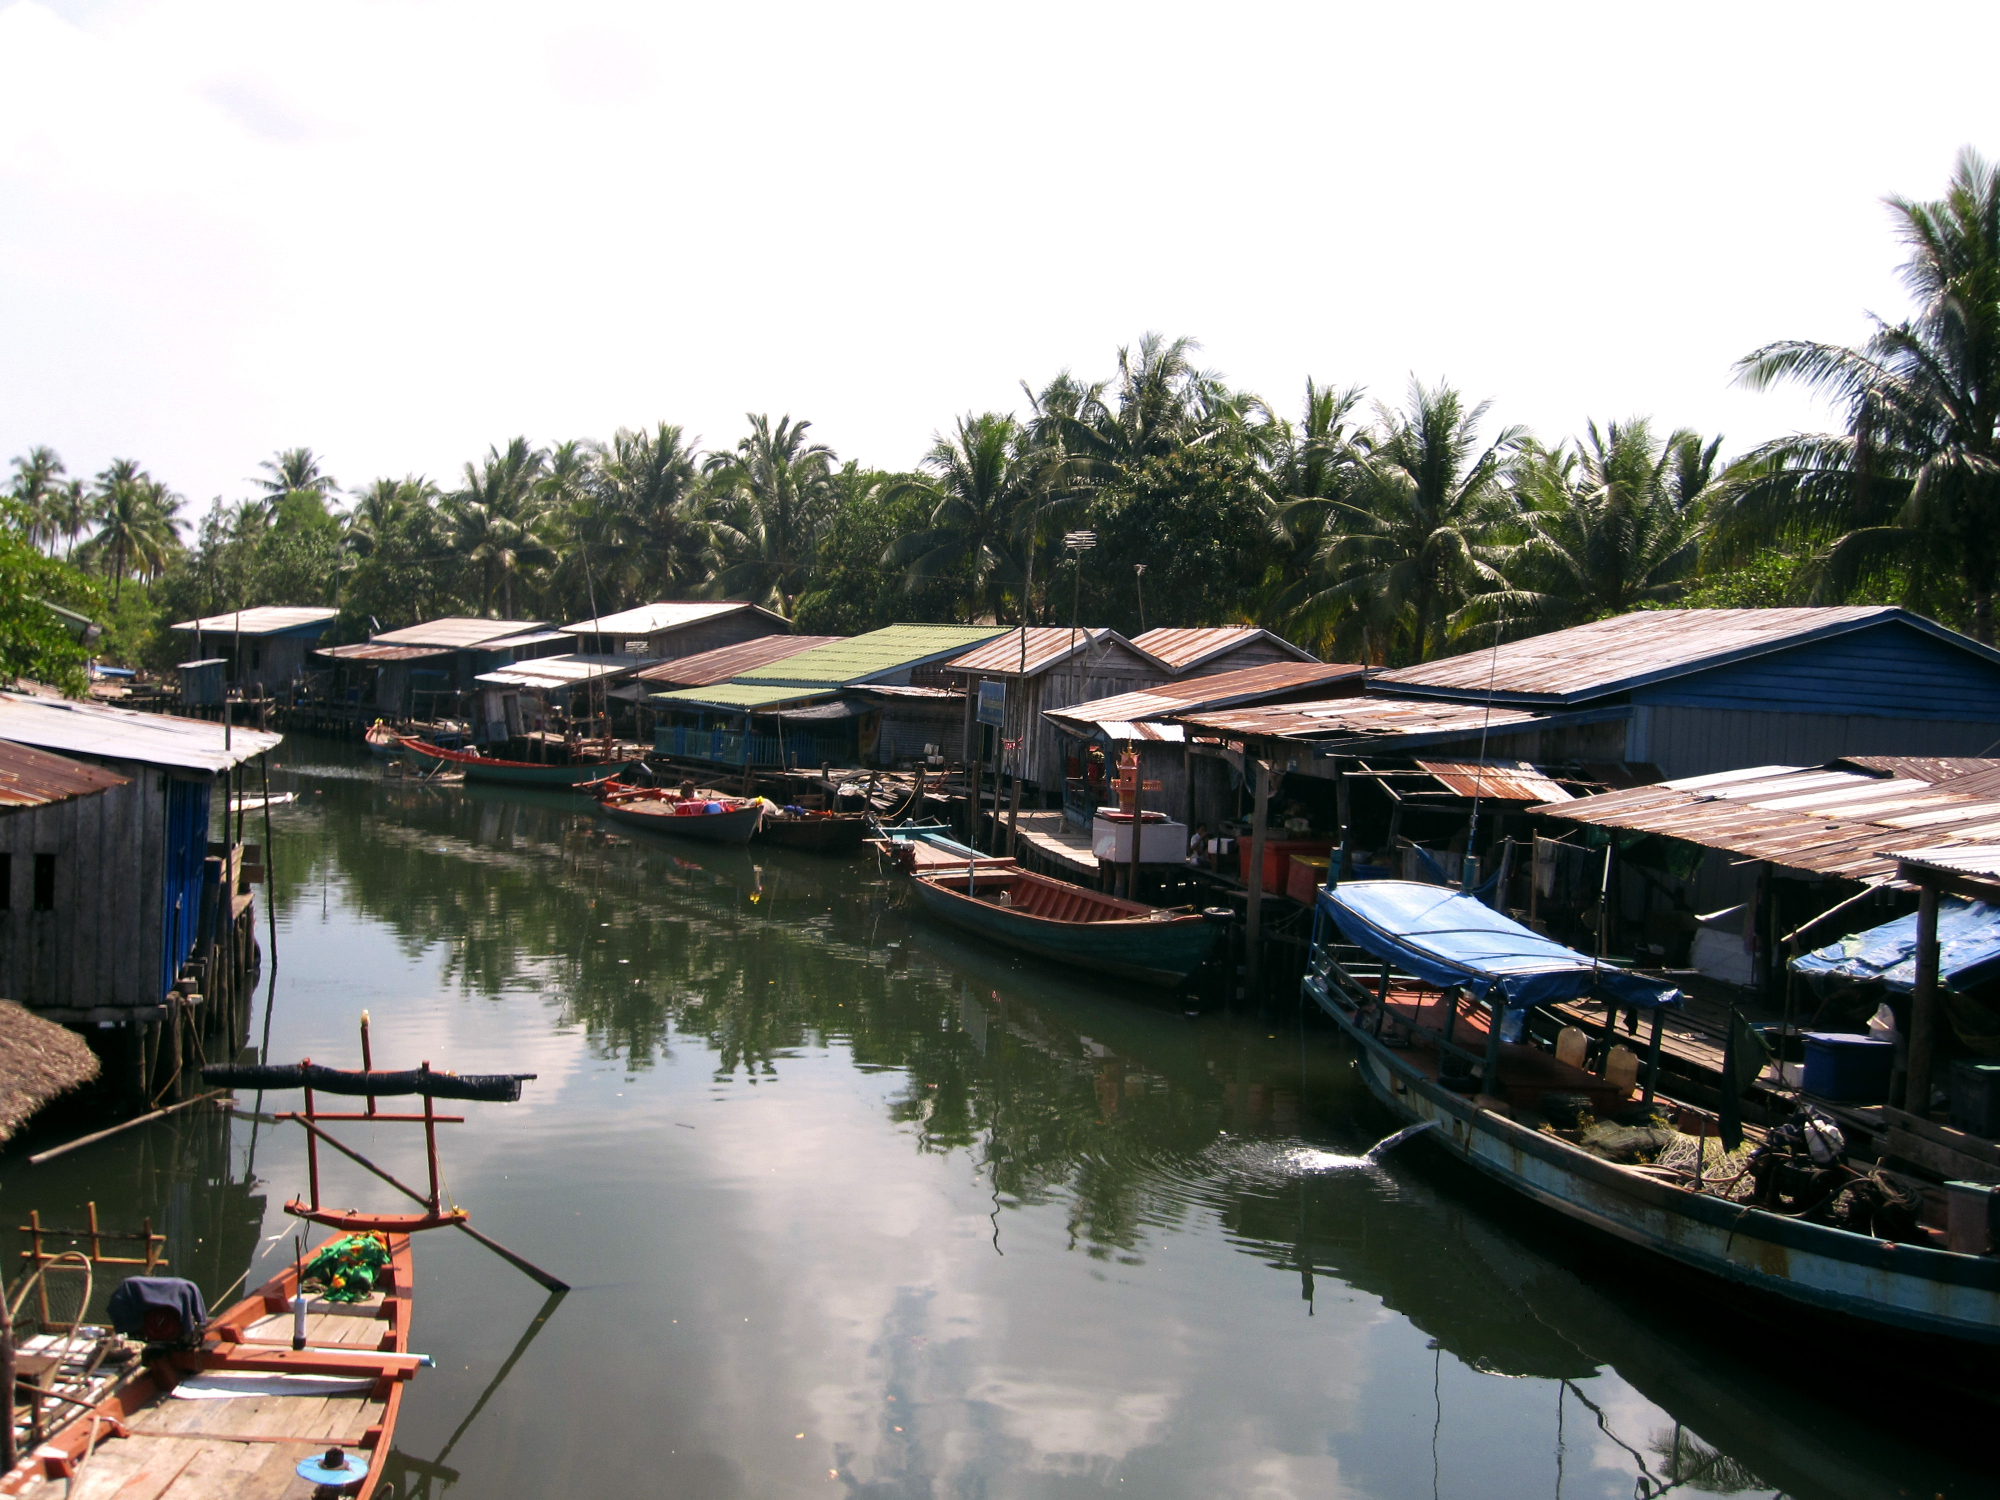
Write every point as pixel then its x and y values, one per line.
pixel 1049 840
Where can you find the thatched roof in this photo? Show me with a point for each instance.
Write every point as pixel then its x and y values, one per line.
pixel 39 1061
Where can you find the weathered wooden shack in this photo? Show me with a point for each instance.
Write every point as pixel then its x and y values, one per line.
pixel 674 627
pixel 118 906
pixel 1206 650
pixel 1196 791
pixel 421 670
pixel 268 647
pixel 1045 668
pixel 1695 691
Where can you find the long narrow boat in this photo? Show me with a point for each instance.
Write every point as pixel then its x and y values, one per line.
pixel 237 1409
pixel 709 817
pixel 818 832
pixel 479 767
pixel 1455 947
pixel 1067 924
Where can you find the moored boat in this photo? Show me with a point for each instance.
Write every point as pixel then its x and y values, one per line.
pixel 382 741
pixel 238 1405
pixel 819 832
pixel 488 768
pixel 1067 924
pixel 1432 1027
pixel 707 816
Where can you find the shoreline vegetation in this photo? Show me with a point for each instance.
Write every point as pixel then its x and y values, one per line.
pixel 1365 530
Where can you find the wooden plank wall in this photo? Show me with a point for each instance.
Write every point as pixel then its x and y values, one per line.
pixel 100 946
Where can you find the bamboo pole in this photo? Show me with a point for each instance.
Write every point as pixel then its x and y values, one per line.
pixel 98 1135
pixel 519 1262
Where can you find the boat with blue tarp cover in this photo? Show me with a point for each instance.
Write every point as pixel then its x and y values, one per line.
pixel 1445 999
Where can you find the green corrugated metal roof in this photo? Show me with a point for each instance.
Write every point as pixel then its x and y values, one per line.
pixel 876 654
pixel 737 695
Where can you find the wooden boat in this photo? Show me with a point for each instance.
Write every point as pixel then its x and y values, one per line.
pixel 658 810
pixel 1065 923
pixel 1913 1286
pixel 208 1419
pixel 819 832
pixel 382 741
pixel 479 767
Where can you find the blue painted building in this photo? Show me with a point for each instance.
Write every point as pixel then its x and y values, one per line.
pixel 1714 690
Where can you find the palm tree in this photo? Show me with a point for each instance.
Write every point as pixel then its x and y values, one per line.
pixel 652 481
pixel 137 525
pixel 1907 497
pixel 294 471
pixel 1610 526
pixel 68 508
pixel 497 519
pixel 1313 466
pixel 37 484
pixel 1422 530
pixel 777 492
pixel 978 485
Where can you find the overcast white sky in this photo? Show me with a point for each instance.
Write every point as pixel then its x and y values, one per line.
pixel 400 232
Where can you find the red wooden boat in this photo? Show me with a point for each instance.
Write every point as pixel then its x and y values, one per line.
pixel 206 1418
pixel 709 816
pixel 479 767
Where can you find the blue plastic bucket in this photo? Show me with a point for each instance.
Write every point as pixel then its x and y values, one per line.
pixel 1846 1068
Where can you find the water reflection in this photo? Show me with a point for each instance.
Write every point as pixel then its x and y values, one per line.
pixel 852 1204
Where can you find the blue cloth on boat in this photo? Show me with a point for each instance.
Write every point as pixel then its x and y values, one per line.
pixel 1968 949
pixel 1447 939
pixel 159 1309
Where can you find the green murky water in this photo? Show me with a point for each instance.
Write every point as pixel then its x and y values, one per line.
pixel 853 1207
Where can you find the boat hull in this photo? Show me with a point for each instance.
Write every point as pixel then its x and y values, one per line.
pixel 1910 1288
pixel 1152 952
pixel 708 828
pixel 840 833
pixel 517 772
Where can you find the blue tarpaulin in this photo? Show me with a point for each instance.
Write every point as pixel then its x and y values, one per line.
pixel 1448 939
pixel 1968 949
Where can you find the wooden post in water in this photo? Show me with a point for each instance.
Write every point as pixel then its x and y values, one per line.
pixel 1923 1005
pixel 1253 918
pixel 1653 1052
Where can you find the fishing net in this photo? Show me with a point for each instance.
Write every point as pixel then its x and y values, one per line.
pixel 1723 1172
pixel 347 1269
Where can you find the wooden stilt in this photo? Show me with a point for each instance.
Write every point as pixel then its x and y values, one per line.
pixel 1253 923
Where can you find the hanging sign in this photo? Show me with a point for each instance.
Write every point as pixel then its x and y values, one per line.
pixel 993 703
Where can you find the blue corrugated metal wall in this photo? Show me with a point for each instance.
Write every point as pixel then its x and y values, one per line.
pixel 187 850
pixel 1890 671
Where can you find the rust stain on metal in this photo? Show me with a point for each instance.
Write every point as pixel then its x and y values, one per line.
pixel 1181 649
pixel 35 778
pixel 1820 820
pixel 1608 655
pixel 706 668
pixel 1357 718
pixel 1047 645
pixel 1502 780
pixel 1190 694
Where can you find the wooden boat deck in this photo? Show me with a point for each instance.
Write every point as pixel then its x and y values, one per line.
pixel 237 1447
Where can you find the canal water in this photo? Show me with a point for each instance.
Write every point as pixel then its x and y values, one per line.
pixel 853 1207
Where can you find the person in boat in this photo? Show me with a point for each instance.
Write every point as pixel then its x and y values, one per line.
pixel 687 789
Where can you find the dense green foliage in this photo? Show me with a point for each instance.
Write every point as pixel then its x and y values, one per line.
pixel 1158 496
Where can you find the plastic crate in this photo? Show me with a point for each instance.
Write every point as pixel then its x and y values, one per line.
pixel 1848 1069
pixel 1975 1097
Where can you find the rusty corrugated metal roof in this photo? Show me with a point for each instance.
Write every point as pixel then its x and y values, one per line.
pixel 1181 649
pixel 1500 780
pixel 35 778
pixel 1645 647
pixel 1192 694
pixel 1357 718
pixel 1820 819
pixel 706 668
pixel 376 651
pixel 1931 768
pixel 1047 645
pixel 1980 861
